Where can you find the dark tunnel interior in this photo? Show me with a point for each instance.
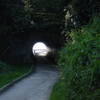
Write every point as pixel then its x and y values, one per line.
pixel 17 48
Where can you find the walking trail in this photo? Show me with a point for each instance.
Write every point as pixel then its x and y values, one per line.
pixel 37 86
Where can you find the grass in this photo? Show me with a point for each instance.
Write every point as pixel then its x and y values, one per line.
pixel 59 91
pixel 8 73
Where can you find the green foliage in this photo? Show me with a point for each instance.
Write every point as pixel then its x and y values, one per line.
pixel 8 73
pixel 59 91
pixel 79 62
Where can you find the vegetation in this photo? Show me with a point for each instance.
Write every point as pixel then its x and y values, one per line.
pixel 79 63
pixel 23 22
pixel 8 73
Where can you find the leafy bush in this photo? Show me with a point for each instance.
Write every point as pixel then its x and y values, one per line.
pixel 79 62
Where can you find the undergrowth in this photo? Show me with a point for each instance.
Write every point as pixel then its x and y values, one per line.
pixel 79 63
pixel 8 73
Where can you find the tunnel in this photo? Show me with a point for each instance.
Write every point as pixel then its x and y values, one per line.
pixel 18 48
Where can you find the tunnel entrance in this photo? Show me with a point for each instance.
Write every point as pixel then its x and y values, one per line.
pixel 18 47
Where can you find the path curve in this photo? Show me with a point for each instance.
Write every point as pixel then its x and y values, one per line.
pixel 38 86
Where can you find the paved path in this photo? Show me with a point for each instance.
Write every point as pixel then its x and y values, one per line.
pixel 38 86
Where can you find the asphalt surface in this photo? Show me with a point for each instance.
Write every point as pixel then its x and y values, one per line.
pixel 37 86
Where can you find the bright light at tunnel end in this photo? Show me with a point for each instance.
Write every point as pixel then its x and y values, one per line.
pixel 40 49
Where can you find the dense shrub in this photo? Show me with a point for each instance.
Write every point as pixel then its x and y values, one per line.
pixel 79 62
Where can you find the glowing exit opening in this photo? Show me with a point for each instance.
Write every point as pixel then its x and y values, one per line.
pixel 40 49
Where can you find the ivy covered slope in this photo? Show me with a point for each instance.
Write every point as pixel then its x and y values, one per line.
pixel 79 63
